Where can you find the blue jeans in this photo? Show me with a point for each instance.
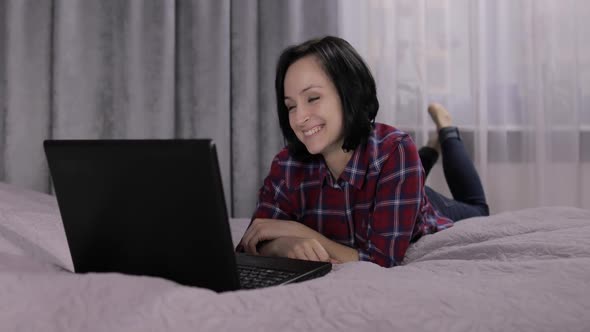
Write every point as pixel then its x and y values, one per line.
pixel 468 195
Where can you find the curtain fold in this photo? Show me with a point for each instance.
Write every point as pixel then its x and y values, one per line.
pixel 25 91
pixel 113 69
pixel 514 74
pixel 148 69
pixel 203 77
pixel 260 31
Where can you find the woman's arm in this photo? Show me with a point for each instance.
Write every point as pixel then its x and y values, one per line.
pixel 339 252
pixel 273 231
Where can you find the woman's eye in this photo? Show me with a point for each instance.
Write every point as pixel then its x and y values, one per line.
pixel 312 99
pixel 290 108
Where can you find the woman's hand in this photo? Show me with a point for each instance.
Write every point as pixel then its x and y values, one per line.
pixel 270 229
pixel 297 248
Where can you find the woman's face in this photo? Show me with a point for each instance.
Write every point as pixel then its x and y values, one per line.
pixel 315 110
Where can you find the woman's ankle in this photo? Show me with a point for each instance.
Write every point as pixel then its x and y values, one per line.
pixel 448 132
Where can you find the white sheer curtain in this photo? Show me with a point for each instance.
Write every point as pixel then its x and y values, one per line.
pixel 515 76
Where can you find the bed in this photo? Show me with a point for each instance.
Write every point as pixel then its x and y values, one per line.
pixel 527 270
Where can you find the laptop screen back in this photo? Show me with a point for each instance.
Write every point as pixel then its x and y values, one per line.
pixel 145 207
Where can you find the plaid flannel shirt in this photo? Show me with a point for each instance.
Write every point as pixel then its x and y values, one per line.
pixel 378 204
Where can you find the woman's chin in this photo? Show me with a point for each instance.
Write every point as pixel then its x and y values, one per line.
pixel 313 149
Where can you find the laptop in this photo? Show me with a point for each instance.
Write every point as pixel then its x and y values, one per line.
pixel 157 208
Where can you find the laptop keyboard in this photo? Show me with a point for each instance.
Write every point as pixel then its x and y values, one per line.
pixel 253 277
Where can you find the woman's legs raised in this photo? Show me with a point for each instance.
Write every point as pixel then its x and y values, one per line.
pixel 460 173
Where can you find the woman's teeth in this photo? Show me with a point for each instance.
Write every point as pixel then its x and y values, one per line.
pixel 312 131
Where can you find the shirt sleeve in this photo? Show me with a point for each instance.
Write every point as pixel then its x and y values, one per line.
pixel 399 195
pixel 273 201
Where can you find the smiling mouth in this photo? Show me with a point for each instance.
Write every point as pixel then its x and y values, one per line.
pixel 313 130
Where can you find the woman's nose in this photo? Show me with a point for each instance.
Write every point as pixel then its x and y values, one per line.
pixel 302 115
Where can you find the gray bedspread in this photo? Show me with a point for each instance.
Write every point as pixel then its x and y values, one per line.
pixel 526 270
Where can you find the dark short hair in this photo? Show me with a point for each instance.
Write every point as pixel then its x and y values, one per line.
pixel 352 79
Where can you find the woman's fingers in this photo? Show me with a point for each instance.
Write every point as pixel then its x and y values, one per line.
pixel 271 229
pixel 244 242
pixel 299 252
pixel 310 253
pixel 309 249
pixel 291 247
pixel 321 252
pixel 252 236
pixel 252 242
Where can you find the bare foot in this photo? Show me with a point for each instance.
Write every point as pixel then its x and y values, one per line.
pixel 433 143
pixel 440 116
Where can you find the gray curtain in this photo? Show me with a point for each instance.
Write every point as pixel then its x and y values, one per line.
pixel 148 69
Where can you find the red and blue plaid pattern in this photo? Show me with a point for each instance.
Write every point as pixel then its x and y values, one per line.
pixel 378 205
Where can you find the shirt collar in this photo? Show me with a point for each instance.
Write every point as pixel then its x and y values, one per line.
pixel 355 171
pixel 357 167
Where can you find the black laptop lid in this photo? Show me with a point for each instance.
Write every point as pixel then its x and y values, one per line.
pixel 145 207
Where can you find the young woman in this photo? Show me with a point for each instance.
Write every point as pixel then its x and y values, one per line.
pixel 346 188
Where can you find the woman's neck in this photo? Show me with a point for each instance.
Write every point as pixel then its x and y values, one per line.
pixel 337 161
